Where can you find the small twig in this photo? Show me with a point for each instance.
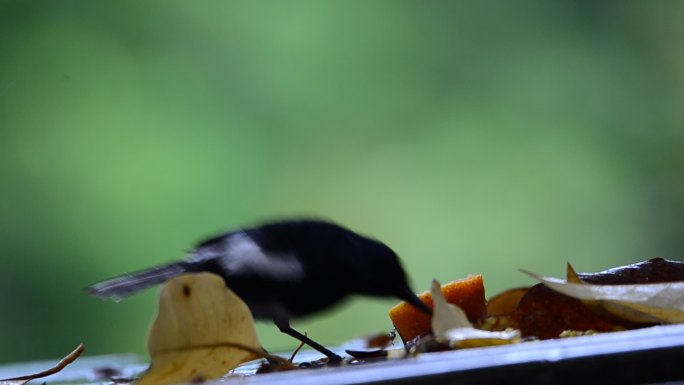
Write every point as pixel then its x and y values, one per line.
pixel 301 345
pixel 55 369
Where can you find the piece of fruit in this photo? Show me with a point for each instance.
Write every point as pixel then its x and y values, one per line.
pixel 467 293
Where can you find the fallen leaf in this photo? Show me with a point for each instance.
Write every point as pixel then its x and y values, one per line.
pixel 202 331
pixel 641 303
pixel 571 275
pixel 450 322
pixel 505 303
pixel 655 270
pixel 367 354
pixel 71 357
pixel 544 313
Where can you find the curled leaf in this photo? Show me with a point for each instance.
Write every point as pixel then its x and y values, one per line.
pixel 202 331
pixel 451 323
pixel 642 303
pixel 71 357
pixel 655 270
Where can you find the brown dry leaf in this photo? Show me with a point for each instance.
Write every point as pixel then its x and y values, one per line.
pixel 451 323
pixel 655 270
pixel 642 303
pixel 71 357
pixel 202 331
pixel 505 303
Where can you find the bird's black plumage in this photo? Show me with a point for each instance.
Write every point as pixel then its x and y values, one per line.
pixel 285 269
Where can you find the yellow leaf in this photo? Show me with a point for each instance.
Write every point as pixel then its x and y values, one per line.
pixel 571 275
pixel 202 331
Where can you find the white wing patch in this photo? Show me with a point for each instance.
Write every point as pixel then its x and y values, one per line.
pixel 243 255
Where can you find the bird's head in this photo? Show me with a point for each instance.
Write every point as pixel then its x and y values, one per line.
pixel 381 274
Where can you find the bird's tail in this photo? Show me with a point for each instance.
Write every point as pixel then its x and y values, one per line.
pixel 122 286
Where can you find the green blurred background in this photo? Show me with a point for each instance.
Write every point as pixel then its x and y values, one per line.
pixel 472 137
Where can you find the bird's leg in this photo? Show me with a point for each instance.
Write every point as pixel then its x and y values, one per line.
pixel 284 326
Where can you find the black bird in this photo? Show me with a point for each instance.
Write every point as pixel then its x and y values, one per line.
pixel 285 270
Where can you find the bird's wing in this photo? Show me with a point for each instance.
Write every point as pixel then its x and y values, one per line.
pixel 240 255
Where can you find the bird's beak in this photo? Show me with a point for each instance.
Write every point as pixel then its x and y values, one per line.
pixel 411 297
